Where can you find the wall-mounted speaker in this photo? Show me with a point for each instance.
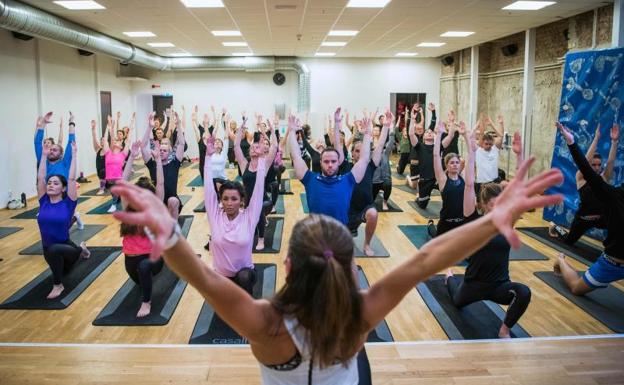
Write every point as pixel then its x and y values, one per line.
pixel 448 60
pixel 21 36
pixel 510 50
pixel 82 52
pixel 279 78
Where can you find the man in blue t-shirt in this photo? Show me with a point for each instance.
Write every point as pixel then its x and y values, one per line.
pixel 58 163
pixel 329 193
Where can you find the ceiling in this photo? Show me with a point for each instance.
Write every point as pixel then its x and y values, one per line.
pixel 272 27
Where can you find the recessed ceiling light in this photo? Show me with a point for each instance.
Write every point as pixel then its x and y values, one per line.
pixel 456 34
pixel 333 43
pixel 342 33
pixel 242 54
pixel 179 54
pixel 139 34
pixel 528 5
pixel 203 3
pixel 426 44
pixel 226 33
pixel 367 3
pixel 79 5
pixel 234 44
pixel 406 54
pixel 161 45
pixel 325 54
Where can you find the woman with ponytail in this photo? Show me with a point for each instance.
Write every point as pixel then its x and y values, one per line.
pixel 316 324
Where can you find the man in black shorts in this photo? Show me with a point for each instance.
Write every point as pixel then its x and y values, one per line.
pixel 362 208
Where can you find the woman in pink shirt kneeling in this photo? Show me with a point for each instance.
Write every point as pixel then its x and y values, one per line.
pixel 232 226
pixel 115 155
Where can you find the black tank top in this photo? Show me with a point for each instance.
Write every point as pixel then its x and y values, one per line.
pixel 590 204
pixel 100 162
pixel 244 145
pixel 490 264
pixel 453 199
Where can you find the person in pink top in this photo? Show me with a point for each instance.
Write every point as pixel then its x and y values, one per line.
pixel 136 246
pixel 115 155
pixel 232 225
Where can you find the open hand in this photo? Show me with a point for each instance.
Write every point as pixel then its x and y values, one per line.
pixel 93 124
pixel 209 141
pixel 136 146
pixel 615 132
pixel 47 118
pixel 516 144
pixel 567 135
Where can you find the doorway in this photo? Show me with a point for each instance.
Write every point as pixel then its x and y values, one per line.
pixel 160 104
pixel 402 102
pixel 106 110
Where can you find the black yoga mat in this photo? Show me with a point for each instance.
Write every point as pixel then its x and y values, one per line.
pixel 197 182
pixel 212 330
pixel 431 212
pixel 32 213
pixel 418 235
pixel 479 320
pixel 167 289
pixel 201 208
pixel 272 236
pixel 77 280
pixel 408 189
pixel 381 333
pixel 285 187
pixel 375 244
pixel 605 305
pixel 392 207
pixel 279 206
pixel 582 251
pixel 75 235
pixel 6 231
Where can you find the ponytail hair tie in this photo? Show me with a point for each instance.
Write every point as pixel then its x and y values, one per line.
pixel 328 253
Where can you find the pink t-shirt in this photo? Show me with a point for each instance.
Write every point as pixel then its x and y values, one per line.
pixel 136 245
pixel 231 242
pixel 113 163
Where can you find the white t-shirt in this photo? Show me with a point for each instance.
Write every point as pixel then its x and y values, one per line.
pixel 487 164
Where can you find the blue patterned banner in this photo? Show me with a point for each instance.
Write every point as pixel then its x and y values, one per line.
pixel 593 90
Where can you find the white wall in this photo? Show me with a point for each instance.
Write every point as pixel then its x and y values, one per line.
pixel 39 76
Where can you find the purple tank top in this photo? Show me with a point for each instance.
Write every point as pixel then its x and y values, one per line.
pixel 54 219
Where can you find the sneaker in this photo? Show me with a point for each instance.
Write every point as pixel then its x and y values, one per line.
pixel 79 222
pixel 112 209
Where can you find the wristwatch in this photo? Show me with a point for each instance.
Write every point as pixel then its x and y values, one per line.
pixel 176 233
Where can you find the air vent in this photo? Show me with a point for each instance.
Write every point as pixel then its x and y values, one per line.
pixel 285 7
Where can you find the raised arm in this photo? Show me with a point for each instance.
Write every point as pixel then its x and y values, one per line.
pixel 615 136
pixel 41 173
pixel 71 137
pixel 181 137
pixel 257 196
pixel 211 201
pixel 134 151
pixel 238 152
pixel 295 152
pixel 270 157
pixel 469 170
pixel 194 124
pixel 411 132
pixel 160 175
pixel 106 144
pixel 359 168
pixel 500 132
pixel 94 138
pixel 382 138
pixel 440 175
pixel 116 124
pixel 147 138
pixel 60 134
pixel 72 191
pixel 449 248
pixel 434 119
pixel 516 147
pixel 337 130
pixel 40 129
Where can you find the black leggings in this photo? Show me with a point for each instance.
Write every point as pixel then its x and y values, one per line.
pixel 261 226
pixel 580 226
pixel 141 269
pixel 403 162
pixel 279 170
pixel 246 279
pixel 385 186
pixel 445 226
pixel 516 295
pixel 425 187
pixel 61 257
pixel 273 191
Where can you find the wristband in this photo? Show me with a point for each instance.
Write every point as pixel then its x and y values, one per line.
pixel 176 232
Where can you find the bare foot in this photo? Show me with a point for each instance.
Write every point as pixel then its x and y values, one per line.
pixel 56 291
pixel 85 253
pixel 146 308
pixel 557 265
pixel 369 251
pixel 504 332
pixel 384 205
pixel 260 245
pixel 100 192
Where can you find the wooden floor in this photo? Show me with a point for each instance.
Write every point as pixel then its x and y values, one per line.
pixel 549 314
pixel 531 362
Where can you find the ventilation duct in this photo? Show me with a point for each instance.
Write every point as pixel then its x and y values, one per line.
pixel 22 18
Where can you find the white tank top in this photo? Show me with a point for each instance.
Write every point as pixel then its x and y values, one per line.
pixel 335 374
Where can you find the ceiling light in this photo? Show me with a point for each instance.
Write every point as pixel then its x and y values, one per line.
pixel 325 54
pixel 226 33
pixel 333 44
pixel 203 3
pixel 242 54
pixel 456 34
pixel 179 54
pixel 139 34
pixel 528 5
pixel 161 45
pixel 343 33
pixel 406 54
pixel 78 5
pixel 234 44
pixel 431 44
pixel 367 3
